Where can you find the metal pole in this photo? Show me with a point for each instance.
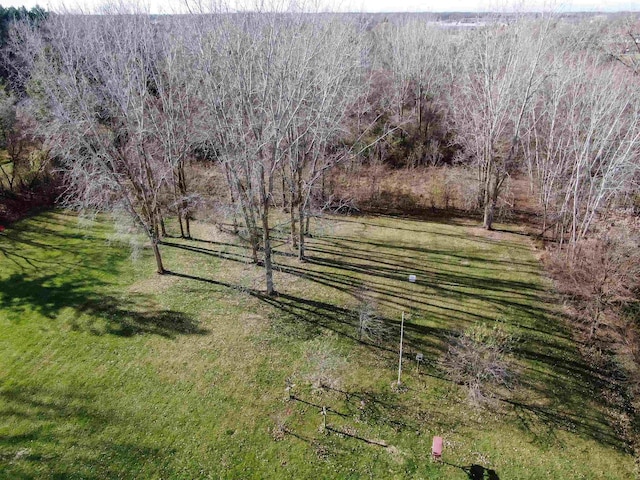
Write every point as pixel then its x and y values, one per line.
pixel 401 338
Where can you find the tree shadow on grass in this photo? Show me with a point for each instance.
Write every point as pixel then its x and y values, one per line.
pixel 55 242
pixel 87 310
pixel 455 289
pixel 379 408
pixel 413 219
pixel 526 305
pixel 347 270
pixel 376 407
pixel 59 434
pixel 476 472
pixel 563 379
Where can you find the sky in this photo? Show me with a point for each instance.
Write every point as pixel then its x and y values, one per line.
pixel 169 6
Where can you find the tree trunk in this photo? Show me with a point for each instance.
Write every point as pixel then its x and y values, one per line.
pixel 254 237
pixel 187 224
pixel 266 233
pixel 308 221
pixel 163 229
pixel 490 200
pixel 184 213
pixel 156 253
pixel 266 239
pixel 301 251
pixel 180 222
pixel 490 192
pixel 296 201
pixel 254 248
pixel 294 230
pixel 252 229
pixel 9 179
pixel 232 198
pixel 420 109
pixel 284 188
pixel 487 222
pixel 236 229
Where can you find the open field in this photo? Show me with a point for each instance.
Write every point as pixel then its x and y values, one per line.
pixel 110 371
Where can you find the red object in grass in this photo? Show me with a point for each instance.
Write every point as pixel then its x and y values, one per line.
pixel 1 228
pixel 436 448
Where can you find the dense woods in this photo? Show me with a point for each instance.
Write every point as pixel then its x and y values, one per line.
pixel 131 107
pixel 262 121
pixel 26 181
pixel 299 112
pixel 148 117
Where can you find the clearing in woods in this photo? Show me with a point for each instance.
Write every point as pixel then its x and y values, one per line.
pixel 109 370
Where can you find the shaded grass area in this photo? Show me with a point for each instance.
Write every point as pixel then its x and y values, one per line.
pixel 109 371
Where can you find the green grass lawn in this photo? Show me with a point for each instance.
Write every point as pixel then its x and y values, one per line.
pixel 108 370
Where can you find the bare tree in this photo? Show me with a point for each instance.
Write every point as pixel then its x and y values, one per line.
pixel 371 327
pixel 479 359
pixel 8 130
pixel 583 141
pixel 248 108
pixel 414 51
pixel 276 86
pixel 88 80
pixel 333 79
pixel 603 278
pixel 174 113
pixel 620 40
pixel 499 75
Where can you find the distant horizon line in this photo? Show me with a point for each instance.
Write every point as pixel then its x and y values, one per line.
pixel 382 12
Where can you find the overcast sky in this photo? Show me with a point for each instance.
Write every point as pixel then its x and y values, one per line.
pixel 167 6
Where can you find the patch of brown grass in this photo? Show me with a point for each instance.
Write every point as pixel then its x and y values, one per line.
pixel 153 285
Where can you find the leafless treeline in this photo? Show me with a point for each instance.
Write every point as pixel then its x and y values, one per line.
pixel 537 97
pixel 125 103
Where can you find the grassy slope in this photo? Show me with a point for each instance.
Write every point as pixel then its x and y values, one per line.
pixel 110 371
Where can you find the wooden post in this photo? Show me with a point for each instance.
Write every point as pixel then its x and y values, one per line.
pixel 400 359
pixel 289 389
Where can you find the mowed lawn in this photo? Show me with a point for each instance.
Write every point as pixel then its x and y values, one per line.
pixel 108 370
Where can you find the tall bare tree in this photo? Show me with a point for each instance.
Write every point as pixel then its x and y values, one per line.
pixel 276 87
pixel 415 52
pixel 583 145
pixel 89 87
pixel 174 112
pixel 499 75
pixel 332 79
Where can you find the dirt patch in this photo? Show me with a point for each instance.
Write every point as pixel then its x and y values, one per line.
pixel 154 284
pixel 252 323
